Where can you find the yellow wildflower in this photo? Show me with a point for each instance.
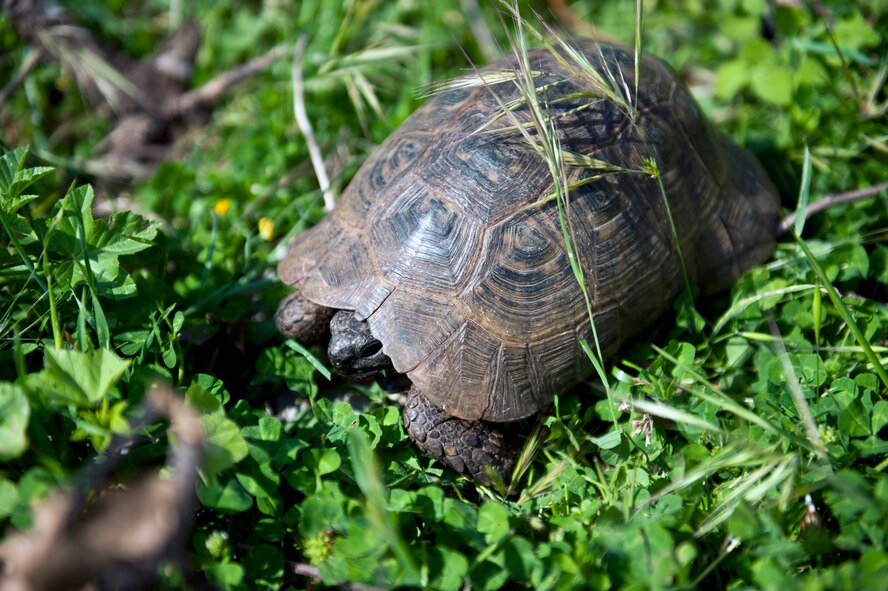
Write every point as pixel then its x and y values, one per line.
pixel 222 206
pixel 266 228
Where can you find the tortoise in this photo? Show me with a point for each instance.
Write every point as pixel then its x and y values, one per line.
pixel 445 258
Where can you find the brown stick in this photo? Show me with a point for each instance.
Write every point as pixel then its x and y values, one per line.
pixel 302 120
pixel 210 92
pixel 829 201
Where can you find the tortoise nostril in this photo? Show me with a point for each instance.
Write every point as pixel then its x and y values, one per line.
pixel 371 349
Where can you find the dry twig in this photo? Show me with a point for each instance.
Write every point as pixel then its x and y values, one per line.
pixel 830 201
pixel 100 536
pixel 317 161
pixel 208 94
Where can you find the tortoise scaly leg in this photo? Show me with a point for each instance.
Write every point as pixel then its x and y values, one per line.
pixel 303 320
pixel 465 446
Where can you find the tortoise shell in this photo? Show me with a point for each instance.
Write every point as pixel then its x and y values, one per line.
pixel 448 244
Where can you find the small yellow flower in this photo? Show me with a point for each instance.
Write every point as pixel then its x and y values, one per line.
pixel 266 228
pixel 222 206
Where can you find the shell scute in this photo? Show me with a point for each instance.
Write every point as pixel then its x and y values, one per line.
pixel 425 242
pixel 524 286
pixel 432 321
pixel 380 175
pixel 487 176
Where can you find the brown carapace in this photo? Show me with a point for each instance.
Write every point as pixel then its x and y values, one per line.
pixel 449 245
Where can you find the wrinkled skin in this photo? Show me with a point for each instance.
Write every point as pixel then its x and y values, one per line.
pixel 300 319
pixel 472 448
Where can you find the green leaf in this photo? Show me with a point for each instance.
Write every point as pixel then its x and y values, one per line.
pixel 685 353
pixel 325 461
pixel 609 440
pixel 867 381
pixel 225 444
pixel 14 413
pixel 772 82
pixel 855 32
pixel 321 511
pixel 168 355
pixel 844 312
pixel 125 233
pixel 76 377
pixel 741 28
pixel 880 415
pixel 178 322
pixel 448 568
pixel 94 246
pixel 270 429
pixel 731 77
pixel 212 386
pixel 493 522
pixel 264 565
pixel 8 497
pixel 100 322
pixel 811 73
pixel 228 498
pixel 17 202
pixel 202 398
pixel 226 575
pixel 737 351
pixel 10 164
pixel 257 475
pixel 19 230
pixel 23 179
pixel 810 367
pixel 879 263
pixel 855 263
pixel 14 179
pixel 854 421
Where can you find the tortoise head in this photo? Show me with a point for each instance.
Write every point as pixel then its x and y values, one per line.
pixel 353 349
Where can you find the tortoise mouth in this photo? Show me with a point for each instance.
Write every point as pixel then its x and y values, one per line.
pixel 389 380
pixel 365 369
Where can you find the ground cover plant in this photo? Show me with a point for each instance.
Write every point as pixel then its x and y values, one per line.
pixel 741 444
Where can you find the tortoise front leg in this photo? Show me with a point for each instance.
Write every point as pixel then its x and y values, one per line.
pixel 469 447
pixel 303 320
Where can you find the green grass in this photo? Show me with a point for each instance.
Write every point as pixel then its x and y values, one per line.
pixel 773 392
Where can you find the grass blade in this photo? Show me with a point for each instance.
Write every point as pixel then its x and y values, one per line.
pixel 658 409
pixel 798 397
pixel 751 488
pixel 844 312
pixel 726 403
pixel 804 193
pixel 315 362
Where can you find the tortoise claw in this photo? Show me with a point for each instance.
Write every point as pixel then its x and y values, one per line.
pixel 472 448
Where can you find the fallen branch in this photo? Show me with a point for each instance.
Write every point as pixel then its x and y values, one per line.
pixel 100 535
pixel 317 161
pixel 148 100
pixel 208 94
pixel 830 201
